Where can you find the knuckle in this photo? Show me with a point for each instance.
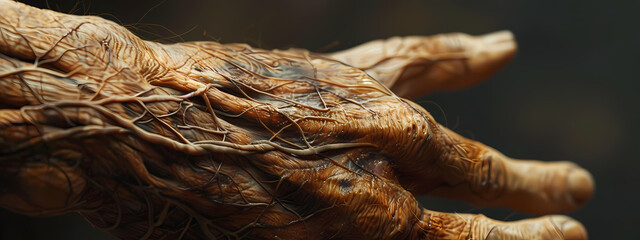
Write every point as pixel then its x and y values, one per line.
pixel 489 179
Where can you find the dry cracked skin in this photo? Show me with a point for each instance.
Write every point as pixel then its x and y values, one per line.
pixel 202 140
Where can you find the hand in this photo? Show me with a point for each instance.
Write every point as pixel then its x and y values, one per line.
pixel 203 140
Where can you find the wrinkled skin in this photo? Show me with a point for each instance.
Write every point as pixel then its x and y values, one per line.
pixel 203 140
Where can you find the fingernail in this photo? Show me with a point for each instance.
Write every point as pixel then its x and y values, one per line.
pixel 580 185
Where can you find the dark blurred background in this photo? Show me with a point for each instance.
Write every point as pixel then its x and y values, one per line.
pixel 571 93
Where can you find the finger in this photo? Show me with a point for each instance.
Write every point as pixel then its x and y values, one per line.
pixel 459 168
pixel 468 226
pixel 67 42
pixel 414 66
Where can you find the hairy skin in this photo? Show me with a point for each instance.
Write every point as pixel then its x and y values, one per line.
pixel 202 140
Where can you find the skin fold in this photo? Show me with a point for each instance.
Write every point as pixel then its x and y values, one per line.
pixel 202 140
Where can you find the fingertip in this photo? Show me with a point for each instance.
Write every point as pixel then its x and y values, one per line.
pixel 571 229
pixel 499 36
pixel 581 185
pixel 501 44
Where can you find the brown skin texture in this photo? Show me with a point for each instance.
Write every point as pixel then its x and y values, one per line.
pixel 203 140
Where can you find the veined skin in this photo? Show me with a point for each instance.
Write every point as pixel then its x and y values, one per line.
pixel 202 140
